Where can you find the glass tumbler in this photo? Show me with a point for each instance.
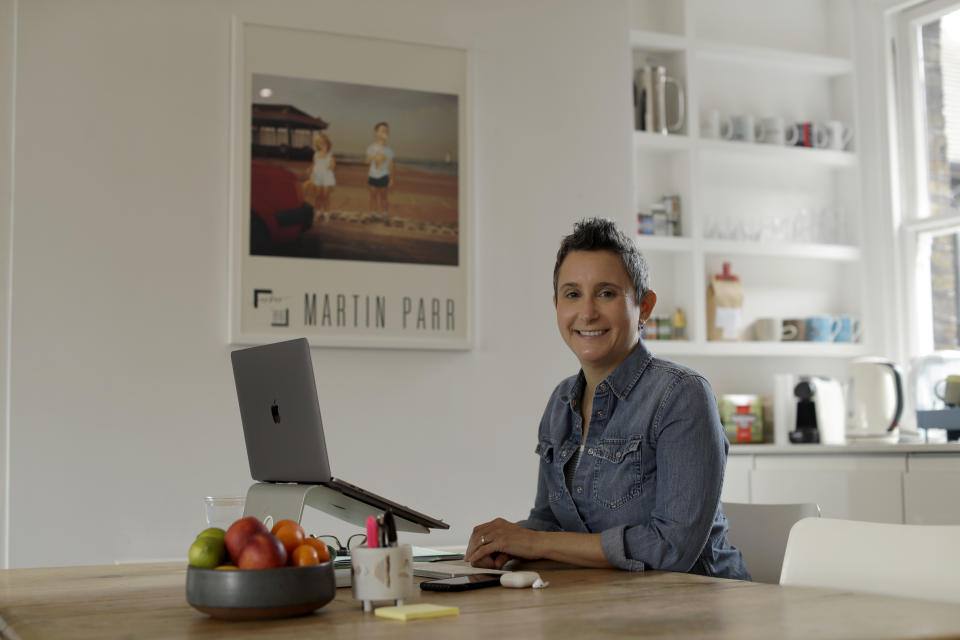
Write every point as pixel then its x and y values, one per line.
pixel 222 511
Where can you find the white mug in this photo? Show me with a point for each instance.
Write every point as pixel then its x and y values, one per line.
pixel 717 126
pixel 773 131
pixel 773 329
pixel 821 136
pixel 838 134
pixel 743 128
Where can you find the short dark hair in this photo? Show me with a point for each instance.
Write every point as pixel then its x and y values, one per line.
pixel 602 234
pixel 380 124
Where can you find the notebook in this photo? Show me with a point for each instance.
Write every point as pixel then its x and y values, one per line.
pixel 283 430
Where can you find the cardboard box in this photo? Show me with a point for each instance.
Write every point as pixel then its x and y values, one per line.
pixel 742 417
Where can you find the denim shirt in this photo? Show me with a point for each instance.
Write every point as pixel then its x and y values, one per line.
pixel 651 471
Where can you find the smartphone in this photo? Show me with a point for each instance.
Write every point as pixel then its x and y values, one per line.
pixel 462 583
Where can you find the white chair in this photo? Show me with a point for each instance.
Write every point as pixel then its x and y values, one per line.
pixel 907 560
pixel 760 532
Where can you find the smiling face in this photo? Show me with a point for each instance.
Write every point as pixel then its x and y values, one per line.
pixel 597 310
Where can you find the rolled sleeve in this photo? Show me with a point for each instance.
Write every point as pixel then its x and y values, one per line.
pixel 613 543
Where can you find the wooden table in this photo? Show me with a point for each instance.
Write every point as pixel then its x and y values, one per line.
pixel 148 601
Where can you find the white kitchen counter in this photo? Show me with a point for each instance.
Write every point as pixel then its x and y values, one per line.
pixel 843 449
pixel 908 482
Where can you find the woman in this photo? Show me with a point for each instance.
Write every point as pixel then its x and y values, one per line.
pixel 631 449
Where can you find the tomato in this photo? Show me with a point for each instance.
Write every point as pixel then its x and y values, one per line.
pixel 304 556
pixel 323 551
pixel 290 534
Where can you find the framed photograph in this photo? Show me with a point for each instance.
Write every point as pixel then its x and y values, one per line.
pixel 350 191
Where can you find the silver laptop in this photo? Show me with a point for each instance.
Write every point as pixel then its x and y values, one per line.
pixel 282 428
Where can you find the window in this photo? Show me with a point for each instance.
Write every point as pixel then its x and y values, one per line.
pixel 927 84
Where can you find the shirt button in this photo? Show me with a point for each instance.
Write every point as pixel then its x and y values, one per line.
pixel 563 454
pixel 579 489
pixel 603 387
pixel 590 451
pixel 619 454
pixel 599 414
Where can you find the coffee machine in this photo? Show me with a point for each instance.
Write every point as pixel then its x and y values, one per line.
pixel 817 408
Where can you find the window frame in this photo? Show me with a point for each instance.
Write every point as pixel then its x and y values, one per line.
pixel 909 161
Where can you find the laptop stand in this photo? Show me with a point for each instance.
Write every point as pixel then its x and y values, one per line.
pixel 285 501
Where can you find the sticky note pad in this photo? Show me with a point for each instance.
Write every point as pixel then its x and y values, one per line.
pixel 414 611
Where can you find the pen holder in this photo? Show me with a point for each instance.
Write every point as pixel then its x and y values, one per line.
pixel 382 573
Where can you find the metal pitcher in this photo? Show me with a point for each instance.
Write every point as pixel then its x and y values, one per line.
pixel 651 100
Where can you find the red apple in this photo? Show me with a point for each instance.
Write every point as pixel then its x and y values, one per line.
pixel 262 551
pixel 239 533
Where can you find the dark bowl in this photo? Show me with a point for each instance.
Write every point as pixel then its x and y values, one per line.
pixel 260 593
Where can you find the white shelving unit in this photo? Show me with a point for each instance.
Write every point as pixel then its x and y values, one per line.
pixel 790 58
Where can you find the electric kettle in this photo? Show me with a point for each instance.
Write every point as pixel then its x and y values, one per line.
pixel 874 400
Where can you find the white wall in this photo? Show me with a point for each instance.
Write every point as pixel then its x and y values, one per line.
pixel 122 412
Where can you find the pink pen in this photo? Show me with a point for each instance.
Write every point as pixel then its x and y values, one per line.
pixel 373 533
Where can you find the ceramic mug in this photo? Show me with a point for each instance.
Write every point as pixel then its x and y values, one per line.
pixel 811 135
pixel 849 329
pixel 794 329
pixel 717 126
pixel 743 128
pixel 948 390
pixel 822 329
pixel 772 130
pixel 773 329
pixel 838 134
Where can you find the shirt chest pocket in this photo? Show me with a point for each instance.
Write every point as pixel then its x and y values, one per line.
pixel 550 472
pixel 618 471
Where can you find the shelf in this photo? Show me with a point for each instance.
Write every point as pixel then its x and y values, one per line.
pixel 646 141
pixel 755 349
pixel 806 63
pixel 831 252
pixel 657 41
pixel 664 243
pixel 780 153
pixel 741 57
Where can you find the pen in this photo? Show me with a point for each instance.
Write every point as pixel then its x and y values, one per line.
pixel 391 526
pixel 373 533
pixel 382 531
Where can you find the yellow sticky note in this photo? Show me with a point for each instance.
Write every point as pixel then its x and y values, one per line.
pixel 414 611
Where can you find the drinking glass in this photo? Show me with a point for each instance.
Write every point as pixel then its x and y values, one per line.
pixel 803 226
pixel 222 511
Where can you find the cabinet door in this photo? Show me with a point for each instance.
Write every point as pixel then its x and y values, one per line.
pixel 931 490
pixel 736 479
pixel 850 487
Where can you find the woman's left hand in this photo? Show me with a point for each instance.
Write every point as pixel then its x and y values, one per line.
pixel 494 543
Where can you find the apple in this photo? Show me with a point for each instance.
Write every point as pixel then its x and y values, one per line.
pixel 262 551
pixel 239 533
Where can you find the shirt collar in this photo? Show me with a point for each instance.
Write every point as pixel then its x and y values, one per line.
pixel 621 381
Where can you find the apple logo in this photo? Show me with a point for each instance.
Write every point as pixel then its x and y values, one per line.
pixel 275 412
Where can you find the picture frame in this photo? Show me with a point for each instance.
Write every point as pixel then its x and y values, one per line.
pixel 342 230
